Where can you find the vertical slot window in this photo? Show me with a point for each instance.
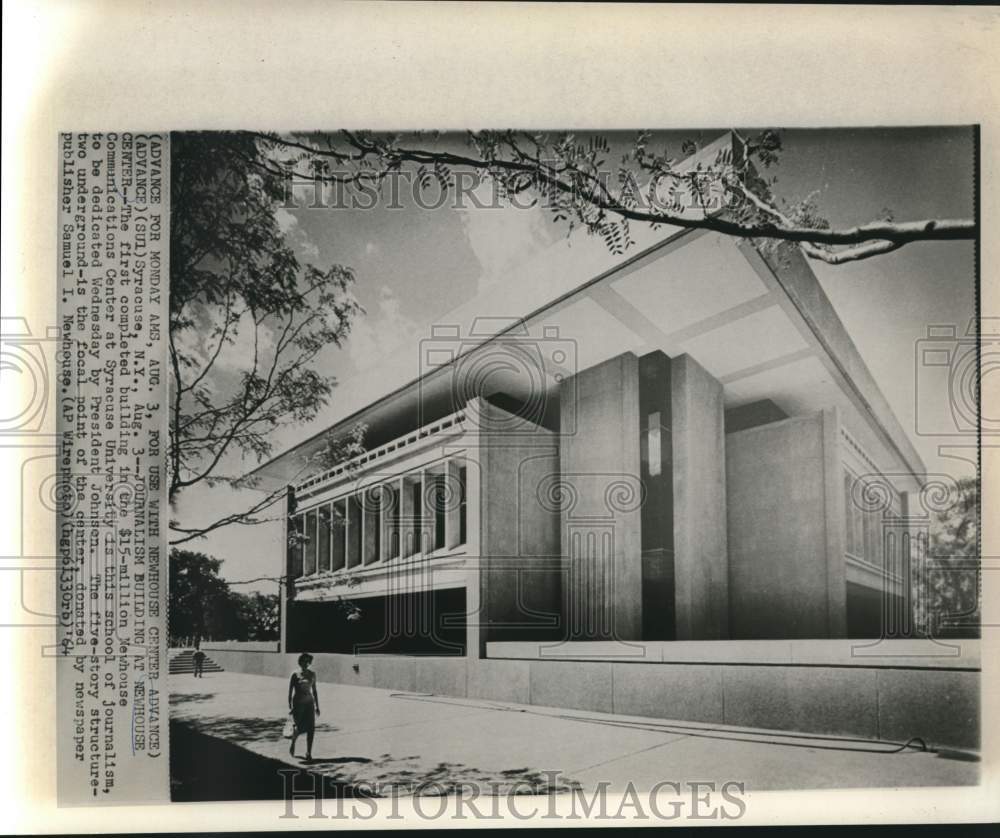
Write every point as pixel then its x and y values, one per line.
pixel 653 444
pixel 309 563
pixel 325 531
pixel 295 532
pixel 440 503
pixel 338 523
pixel 416 489
pixel 394 533
pixel 462 530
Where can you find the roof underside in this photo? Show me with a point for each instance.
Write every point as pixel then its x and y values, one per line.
pixel 764 331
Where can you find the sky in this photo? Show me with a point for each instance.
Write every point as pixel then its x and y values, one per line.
pixel 414 265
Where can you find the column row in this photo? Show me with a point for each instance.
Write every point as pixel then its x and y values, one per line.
pixel 413 514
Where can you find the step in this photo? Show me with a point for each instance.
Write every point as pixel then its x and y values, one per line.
pixel 182 663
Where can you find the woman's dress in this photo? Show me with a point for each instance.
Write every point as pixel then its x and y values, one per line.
pixel 303 704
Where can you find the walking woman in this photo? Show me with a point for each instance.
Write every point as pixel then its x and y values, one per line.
pixel 303 701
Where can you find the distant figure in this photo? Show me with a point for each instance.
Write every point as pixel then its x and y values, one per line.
pixel 199 663
pixel 303 702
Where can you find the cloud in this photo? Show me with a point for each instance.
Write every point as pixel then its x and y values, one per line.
pixel 236 355
pixel 379 333
pixel 298 238
pixel 285 220
pixel 501 237
pixel 371 248
pixel 309 248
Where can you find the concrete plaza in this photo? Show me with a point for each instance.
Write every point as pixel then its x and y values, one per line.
pixel 375 736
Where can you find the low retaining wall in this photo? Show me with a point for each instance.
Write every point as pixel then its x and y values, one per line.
pixel 940 705
pixel 918 653
pixel 241 645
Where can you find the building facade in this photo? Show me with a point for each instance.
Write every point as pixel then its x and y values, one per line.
pixel 664 485
pixel 683 446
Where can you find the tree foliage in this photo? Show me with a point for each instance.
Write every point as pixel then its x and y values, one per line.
pixel 202 605
pixel 198 597
pixel 947 583
pixel 247 320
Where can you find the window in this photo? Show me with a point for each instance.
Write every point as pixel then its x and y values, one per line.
pixel 440 502
pixel 372 498
pixel 850 538
pixel 415 497
pixel 394 534
pixel 338 533
pixel 653 444
pixel 325 529
pixel 354 533
pixel 295 525
pixel 377 513
pixel 864 528
pixel 872 535
pixel 461 507
pixel 309 560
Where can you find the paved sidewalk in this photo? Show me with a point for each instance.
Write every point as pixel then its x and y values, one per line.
pixel 379 736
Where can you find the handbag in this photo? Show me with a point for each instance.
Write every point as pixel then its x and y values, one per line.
pixel 289 729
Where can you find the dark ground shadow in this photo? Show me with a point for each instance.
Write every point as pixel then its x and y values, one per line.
pixel 204 768
pixel 190 698
pixel 248 729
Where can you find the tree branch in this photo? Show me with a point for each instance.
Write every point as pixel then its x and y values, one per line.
pixel 581 183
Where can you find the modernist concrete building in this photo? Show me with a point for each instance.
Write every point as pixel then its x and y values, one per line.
pixel 676 458
pixel 682 446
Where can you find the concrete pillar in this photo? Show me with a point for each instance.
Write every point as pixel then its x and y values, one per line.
pixel 601 493
pixel 785 502
pixel 834 512
pixel 475 631
pixel 284 587
pixel 701 559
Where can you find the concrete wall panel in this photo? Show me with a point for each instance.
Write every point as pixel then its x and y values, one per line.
pixel 520 568
pixel 601 538
pixel 701 577
pixel 941 707
pixel 393 672
pixel 441 676
pixel 776 511
pixel 581 686
pixel 499 680
pixel 693 693
pixel 815 699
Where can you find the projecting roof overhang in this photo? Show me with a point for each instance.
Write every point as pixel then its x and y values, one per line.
pixel 763 327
